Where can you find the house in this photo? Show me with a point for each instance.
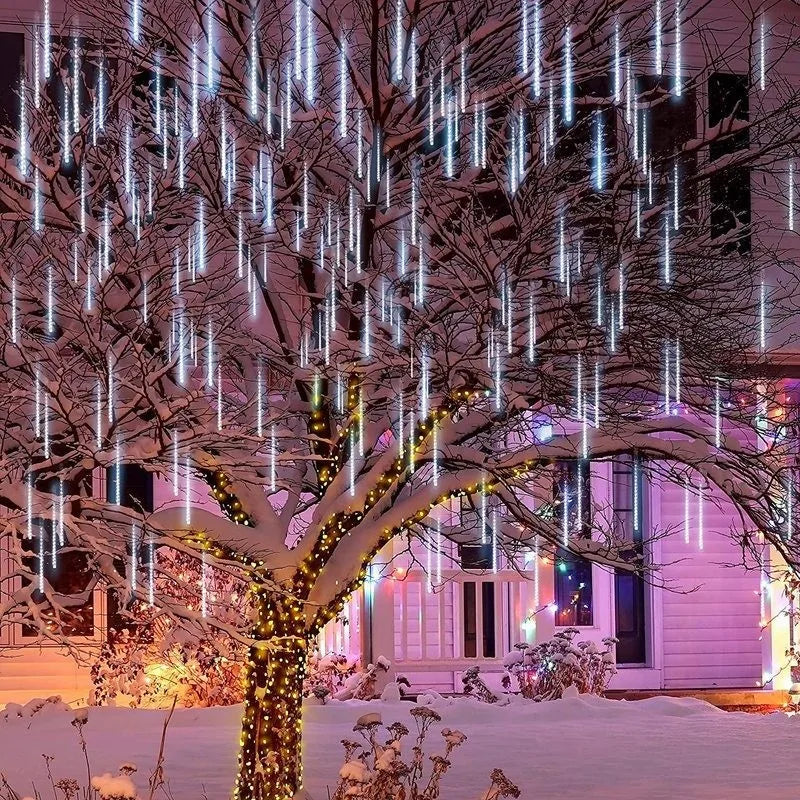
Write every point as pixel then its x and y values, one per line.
pixel 706 621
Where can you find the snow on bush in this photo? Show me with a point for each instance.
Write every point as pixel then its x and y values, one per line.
pixel 114 787
pixel 475 686
pixel 326 675
pixel 143 670
pixel 375 771
pixel 153 660
pixel 543 671
pixel 38 705
pixel 376 680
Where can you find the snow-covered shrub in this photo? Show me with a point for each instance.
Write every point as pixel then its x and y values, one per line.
pixel 152 659
pixel 114 787
pixel 146 673
pixel 543 671
pixel 370 682
pixel 39 705
pixel 475 686
pixel 326 675
pixel 378 771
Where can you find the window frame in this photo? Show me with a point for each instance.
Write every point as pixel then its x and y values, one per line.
pixel 640 546
pixel 559 557
pixel 479 582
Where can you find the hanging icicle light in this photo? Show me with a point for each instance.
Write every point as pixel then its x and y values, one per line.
pixel 136 20
pixel 700 513
pixel 210 45
pixel 568 100
pixel 399 41
pixel 134 561
pixel 617 65
pixel 537 49
pixel 687 518
pixel 343 89
pixel 598 169
pixel 188 490
pixel 494 541
pixel 273 455
pixel 46 36
pixel 657 30
pixel 678 53
pixel 413 56
pixel 203 586
pixel 524 37
pixel 531 328
pixel 310 50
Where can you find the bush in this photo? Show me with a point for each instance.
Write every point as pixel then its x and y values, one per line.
pixel 374 771
pixel 326 675
pixel 149 673
pixel 543 671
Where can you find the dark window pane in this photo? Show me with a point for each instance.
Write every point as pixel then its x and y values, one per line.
pixel 728 101
pixel 12 53
pixel 666 123
pixel 476 556
pixel 572 479
pixel 670 119
pixel 573 581
pixel 487 596
pixel 627 498
pixel 573 585
pixel 67 573
pixel 135 491
pixel 729 189
pixel 576 148
pixel 630 618
pixel 470 621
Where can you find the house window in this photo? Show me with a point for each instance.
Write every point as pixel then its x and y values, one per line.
pixel 71 54
pixel 729 188
pixel 573 574
pixel 629 590
pixel 667 122
pixel 479 621
pixel 479 516
pixel 583 144
pixel 135 491
pixel 476 556
pixel 63 571
pixel 12 55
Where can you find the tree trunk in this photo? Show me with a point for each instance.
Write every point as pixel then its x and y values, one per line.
pixel 270 766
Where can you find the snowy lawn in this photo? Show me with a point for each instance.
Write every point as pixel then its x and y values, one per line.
pixel 583 747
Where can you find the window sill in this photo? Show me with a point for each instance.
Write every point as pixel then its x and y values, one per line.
pixel 578 627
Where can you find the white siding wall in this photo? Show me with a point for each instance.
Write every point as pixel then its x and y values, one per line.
pixel 711 636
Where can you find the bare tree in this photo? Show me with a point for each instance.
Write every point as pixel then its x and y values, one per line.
pixel 344 262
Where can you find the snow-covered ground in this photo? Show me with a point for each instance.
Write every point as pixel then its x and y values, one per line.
pixel 582 747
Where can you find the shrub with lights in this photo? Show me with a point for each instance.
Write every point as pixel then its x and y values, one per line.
pixel 543 671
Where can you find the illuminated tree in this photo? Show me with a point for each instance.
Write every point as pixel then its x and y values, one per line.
pixel 347 263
